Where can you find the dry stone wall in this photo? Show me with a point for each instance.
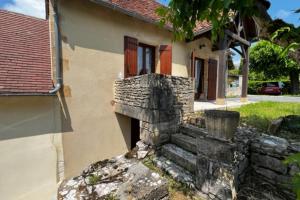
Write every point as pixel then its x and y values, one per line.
pixel 224 167
pixel 267 156
pixel 160 102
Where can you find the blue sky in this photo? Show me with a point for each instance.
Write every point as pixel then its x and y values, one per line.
pixel 34 8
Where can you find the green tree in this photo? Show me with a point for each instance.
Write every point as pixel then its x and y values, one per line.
pixel 266 57
pixel 184 14
pixel 288 36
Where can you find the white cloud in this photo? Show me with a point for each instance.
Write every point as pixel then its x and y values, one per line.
pixel 282 14
pixel 34 8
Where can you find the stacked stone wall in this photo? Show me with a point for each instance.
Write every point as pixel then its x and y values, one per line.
pixel 224 167
pixel 267 156
pixel 160 102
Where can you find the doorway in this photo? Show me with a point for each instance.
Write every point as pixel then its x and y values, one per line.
pixel 135 132
pixel 199 77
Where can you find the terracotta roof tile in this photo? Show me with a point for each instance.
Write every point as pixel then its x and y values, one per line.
pixel 147 10
pixel 25 62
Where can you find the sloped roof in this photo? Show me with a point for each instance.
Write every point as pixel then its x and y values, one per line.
pixel 25 62
pixel 146 11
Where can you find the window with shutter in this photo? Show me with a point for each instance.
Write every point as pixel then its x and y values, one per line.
pixel 139 58
pixel 166 59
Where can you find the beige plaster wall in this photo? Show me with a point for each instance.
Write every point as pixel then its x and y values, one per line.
pixel 93 57
pixel 30 148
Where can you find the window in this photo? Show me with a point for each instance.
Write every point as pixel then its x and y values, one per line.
pixel 146 59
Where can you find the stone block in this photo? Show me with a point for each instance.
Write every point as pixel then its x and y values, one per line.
pixel 185 142
pixel 216 149
pixel 268 162
pixel 270 145
pixel 281 181
pixel 275 125
pixel 215 180
pixel 181 157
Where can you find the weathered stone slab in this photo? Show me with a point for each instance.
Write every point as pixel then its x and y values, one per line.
pixel 215 180
pixel 268 162
pixel 192 131
pixel 186 142
pixel 118 178
pixel 219 150
pixel 279 180
pixel 178 173
pixel 270 145
pixel 180 156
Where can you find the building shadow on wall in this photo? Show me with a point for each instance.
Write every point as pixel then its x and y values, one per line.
pixel 33 116
pixel 125 126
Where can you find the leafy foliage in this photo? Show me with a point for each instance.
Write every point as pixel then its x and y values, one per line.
pixel 295 159
pixel 281 33
pixel 266 57
pixel 184 14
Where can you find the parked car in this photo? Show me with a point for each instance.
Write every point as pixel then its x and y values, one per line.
pixel 272 88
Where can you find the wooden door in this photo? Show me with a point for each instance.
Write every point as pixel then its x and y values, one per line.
pixel 212 79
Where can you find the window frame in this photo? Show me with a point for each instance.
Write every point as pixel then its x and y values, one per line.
pixel 144 46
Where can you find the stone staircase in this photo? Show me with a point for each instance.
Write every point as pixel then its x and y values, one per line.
pixel 178 157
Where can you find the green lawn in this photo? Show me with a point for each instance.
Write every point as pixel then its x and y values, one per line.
pixel 261 114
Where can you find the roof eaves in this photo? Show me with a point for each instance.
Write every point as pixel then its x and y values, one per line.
pixel 204 30
pixel 127 12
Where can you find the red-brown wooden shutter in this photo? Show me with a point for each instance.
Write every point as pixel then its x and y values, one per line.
pixel 212 79
pixel 193 64
pixel 165 59
pixel 130 54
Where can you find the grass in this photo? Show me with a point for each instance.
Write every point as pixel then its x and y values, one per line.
pixel 261 114
pixel 94 179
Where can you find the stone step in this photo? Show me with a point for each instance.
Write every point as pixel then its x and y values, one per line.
pixel 192 131
pixel 180 156
pixel 184 141
pixel 175 171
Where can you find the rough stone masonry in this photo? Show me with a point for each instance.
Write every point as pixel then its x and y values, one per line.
pixel 160 102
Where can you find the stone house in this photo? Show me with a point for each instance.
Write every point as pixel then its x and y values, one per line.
pixel 64 102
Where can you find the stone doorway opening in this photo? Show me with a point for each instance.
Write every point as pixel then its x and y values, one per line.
pixel 135 132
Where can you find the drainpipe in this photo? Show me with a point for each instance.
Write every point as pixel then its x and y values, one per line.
pixel 57 53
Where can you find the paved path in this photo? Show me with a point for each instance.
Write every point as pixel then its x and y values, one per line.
pixel 257 98
pixel 235 102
